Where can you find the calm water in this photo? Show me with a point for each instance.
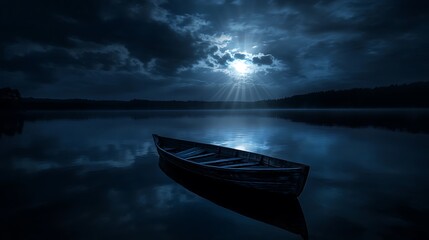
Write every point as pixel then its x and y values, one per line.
pixel 95 175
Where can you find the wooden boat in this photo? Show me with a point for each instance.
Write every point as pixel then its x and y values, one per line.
pixel 275 209
pixel 232 166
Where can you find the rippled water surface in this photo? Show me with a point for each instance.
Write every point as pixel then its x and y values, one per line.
pixel 95 175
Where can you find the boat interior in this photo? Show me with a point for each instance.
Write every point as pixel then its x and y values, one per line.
pixel 211 157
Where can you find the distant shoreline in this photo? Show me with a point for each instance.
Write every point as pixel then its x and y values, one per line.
pixel 414 96
pixel 221 109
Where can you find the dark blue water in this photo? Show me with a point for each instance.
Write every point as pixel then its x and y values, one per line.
pixel 95 175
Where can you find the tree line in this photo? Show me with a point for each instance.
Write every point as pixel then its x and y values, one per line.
pixel 413 95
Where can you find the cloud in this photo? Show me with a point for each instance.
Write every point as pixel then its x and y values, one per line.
pixel 222 58
pixel 36 60
pixel 239 56
pixel 263 59
pixel 301 46
pixel 113 57
pixel 187 23
pixel 112 43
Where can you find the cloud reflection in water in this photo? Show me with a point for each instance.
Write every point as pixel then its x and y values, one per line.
pixel 99 176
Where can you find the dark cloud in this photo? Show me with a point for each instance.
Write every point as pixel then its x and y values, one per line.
pixel 239 56
pixel 317 45
pixel 37 66
pixel 263 60
pixel 222 59
pixel 53 24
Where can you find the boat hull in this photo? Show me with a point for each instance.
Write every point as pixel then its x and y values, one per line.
pixel 283 181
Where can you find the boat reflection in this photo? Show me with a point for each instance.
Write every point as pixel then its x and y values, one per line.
pixel 274 209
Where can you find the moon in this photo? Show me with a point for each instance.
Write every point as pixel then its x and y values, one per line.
pixel 241 67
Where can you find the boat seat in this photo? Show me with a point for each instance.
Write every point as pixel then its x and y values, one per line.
pixel 285 169
pixel 187 150
pixel 241 165
pixel 191 154
pixel 169 148
pixel 200 156
pixel 220 161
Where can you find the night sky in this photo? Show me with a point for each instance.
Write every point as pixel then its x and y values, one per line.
pixel 209 49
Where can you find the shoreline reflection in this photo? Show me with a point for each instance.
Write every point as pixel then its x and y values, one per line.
pixel 404 120
pixel 11 123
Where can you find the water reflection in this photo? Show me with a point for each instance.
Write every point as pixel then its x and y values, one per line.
pixel 278 210
pixel 95 175
pixel 11 123
pixel 408 120
pixel 246 142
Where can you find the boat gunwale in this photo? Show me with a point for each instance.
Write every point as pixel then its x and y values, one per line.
pixel 299 168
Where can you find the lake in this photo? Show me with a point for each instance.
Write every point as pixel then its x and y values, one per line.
pixel 95 174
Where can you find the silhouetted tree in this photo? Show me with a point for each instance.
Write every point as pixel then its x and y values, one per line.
pixel 9 98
